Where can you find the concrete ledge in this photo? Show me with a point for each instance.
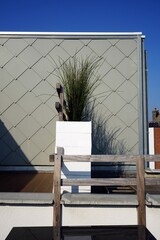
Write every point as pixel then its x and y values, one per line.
pixel 153 200
pixel 26 198
pixel 99 199
pixel 152 171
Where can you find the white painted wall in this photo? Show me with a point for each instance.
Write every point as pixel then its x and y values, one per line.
pixel 86 216
pixel 153 221
pixel 18 216
pixel 151 146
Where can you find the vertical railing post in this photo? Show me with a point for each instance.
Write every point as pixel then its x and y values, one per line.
pixel 57 194
pixel 140 168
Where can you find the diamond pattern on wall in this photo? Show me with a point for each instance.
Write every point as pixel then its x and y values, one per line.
pixel 57 54
pixel 119 127
pixel 29 149
pixel 128 115
pixel 126 47
pixel 44 46
pixel 102 92
pixel 99 46
pixel 5 56
pixel 103 68
pixel 114 97
pixel 117 82
pixel 30 56
pixel 6 102
pixel 5 78
pixel 15 134
pixel 5 125
pixel 29 79
pixel 15 67
pixel 135 126
pixel 102 110
pixel 14 114
pixel 29 126
pixel 16 46
pixel 43 91
pixel 27 92
pixel 127 67
pixel 130 137
pixel 85 51
pixel 72 46
pixel 113 56
pixel 3 40
pixel 43 67
pixel 42 158
pixel 127 91
pixel 42 139
pixel 15 90
pixel 29 102
pixel 43 114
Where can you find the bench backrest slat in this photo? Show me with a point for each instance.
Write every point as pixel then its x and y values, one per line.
pixel 99 182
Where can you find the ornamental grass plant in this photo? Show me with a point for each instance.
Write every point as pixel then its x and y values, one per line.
pixel 79 78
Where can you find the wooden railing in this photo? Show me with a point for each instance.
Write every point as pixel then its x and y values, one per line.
pixel 139 181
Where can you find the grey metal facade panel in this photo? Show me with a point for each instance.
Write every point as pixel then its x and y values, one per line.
pixel 28 94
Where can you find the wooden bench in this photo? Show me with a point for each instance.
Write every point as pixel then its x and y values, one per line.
pixel 138 182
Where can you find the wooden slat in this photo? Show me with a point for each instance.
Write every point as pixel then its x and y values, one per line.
pixel 57 192
pixel 152 158
pixel 152 181
pixel 141 191
pixel 110 158
pixel 100 158
pixel 99 182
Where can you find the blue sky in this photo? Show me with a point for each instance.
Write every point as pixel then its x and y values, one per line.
pixel 95 16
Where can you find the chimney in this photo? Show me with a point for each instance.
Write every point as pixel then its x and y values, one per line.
pixel 155 114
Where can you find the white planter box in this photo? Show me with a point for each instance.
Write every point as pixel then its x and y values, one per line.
pixel 75 138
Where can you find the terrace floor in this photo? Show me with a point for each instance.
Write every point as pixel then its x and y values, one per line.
pixel 26 182
pixel 43 183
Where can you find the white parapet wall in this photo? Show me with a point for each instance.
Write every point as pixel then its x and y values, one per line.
pixel 153 214
pixel 99 209
pixel 23 210
pixel 30 209
pixel 87 216
pixel 153 221
pixel 23 216
pixel 75 138
pixel 109 209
